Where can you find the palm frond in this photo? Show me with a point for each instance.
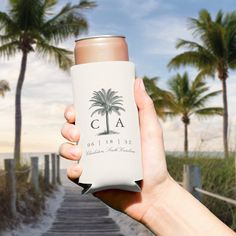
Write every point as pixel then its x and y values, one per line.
pixel 9 49
pixel 201 101
pixel 69 21
pixel 28 15
pixel 62 57
pixel 210 111
pixel 161 98
pixel 6 21
pixel 171 114
pixel 117 108
pixel 189 96
pixel 96 104
pixel 192 58
pixel 181 43
pixel 7 38
pixel 99 111
pixel 48 4
pixel 116 111
pixel 115 99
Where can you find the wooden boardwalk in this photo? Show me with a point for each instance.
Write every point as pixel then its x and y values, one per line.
pixel 82 215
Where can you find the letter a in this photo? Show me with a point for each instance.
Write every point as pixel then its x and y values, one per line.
pixel 119 122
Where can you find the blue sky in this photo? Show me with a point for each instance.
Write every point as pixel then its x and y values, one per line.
pixel 151 28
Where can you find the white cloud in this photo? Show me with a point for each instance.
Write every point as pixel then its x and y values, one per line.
pixel 138 9
pixel 163 32
pixel 46 92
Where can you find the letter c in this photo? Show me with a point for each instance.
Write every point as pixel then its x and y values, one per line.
pixel 93 125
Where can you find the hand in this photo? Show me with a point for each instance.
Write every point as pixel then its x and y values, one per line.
pixel 156 178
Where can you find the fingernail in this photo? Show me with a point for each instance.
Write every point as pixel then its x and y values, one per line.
pixel 68 115
pixel 75 151
pixel 141 84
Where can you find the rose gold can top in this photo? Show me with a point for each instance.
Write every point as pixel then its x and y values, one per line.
pixel 101 48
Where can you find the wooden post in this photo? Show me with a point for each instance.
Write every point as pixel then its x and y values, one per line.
pixel 35 173
pixel 53 156
pixel 46 171
pixel 10 167
pixel 58 170
pixel 192 179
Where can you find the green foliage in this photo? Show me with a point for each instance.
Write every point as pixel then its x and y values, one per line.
pixel 31 26
pixel 190 97
pixel 161 98
pixel 214 49
pixel 218 176
pixel 4 87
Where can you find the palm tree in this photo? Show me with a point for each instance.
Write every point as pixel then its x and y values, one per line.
pixel 161 98
pixel 32 26
pixel 108 102
pixel 4 87
pixel 189 98
pixel 213 52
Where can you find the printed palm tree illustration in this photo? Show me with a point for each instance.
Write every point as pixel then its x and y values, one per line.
pixel 107 102
pixel 35 26
pixel 189 98
pixel 213 51
pixel 4 87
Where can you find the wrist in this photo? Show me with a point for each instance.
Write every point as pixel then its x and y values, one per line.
pixel 168 190
pixel 177 212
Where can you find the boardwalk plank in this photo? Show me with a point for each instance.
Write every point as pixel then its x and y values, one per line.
pixel 82 215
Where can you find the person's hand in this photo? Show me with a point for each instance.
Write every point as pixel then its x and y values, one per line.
pixel 155 175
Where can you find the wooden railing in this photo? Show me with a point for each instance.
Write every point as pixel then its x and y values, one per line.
pixel 10 172
pixel 192 183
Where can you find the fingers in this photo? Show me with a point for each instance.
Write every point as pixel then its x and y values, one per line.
pixel 70 151
pixel 70 132
pixel 74 172
pixel 149 124
pixel 70 114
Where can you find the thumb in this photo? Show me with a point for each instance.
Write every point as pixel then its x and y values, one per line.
pixel 148 121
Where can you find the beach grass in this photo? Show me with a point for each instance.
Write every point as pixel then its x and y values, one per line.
pixel 218 176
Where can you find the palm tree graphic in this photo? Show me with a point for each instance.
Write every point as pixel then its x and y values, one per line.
pixel 107 102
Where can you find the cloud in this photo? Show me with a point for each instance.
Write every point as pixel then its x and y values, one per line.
pixel 46 92
pixel 138 9
pixel 163 32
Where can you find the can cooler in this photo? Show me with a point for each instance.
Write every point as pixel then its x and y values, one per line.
pixel 108 121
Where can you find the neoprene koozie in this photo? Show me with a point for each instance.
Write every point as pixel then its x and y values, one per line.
pixel 107 117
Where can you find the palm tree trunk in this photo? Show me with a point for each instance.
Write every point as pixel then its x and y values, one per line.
pixel 225 119
pixel 186 139
pixel 107 123
pixel 18 118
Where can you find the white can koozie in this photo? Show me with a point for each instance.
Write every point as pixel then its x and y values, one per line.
pixel 107 117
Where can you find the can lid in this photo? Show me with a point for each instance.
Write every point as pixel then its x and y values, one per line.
pixel 100 36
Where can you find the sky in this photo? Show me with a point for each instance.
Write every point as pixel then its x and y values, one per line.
pixel 151 28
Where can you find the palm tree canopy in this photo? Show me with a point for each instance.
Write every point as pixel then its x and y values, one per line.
pixel 32 25
pixel 215 46
pixel 190 97
pixel 4 87
pixel 107 101
pixel 160 97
